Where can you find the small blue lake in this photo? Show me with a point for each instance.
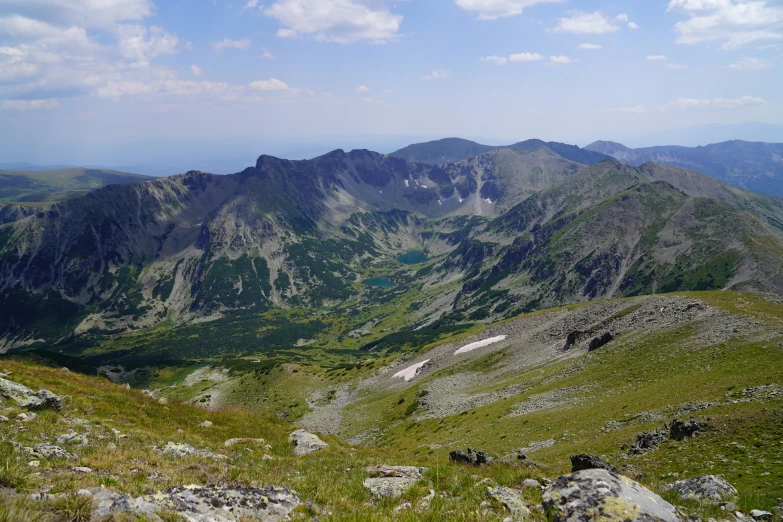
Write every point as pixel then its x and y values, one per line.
pixel 414 257
pixel 382 282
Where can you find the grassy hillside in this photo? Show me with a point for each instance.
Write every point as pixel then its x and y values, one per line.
pixel 715 357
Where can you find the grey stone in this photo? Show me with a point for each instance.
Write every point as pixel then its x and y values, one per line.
pixel 3 418
pixel 306 443
pixel 583 461
pixel 27 398
pixel 511 500
pixel 49 452
pixel 647 441
pixel 226 504
pixel 598 494
pixel 681 430
pixel 180 449
pixel 531 484
pixel 72 438
pixel 391 481
pixel 759 515
pixel 470 456
pixel 233 442
pixel 706 487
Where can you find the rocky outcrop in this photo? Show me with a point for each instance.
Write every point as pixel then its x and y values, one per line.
pixel 27 398
pixel 197 504
pixel 706 487
pixel 391 481
pixel 227 504
pixel 647 441
pixel 598 342
pixel 597 494
pixel 180 449
pixel 48 451
pixel 583 461
pixel 511 499
pixel 306 443
pixel 470 456
pixel 681 430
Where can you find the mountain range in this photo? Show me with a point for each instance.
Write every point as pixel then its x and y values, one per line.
pixel 508 231
pixel 752 166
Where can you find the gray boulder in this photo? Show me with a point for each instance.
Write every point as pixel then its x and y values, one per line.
pixel 705 487
pixel 48 451
pixel 180 449
pixel 470 456
pixel 226 504
pixel 391 481
pixel 761 516
pixel 597 494
pixel 681 430
pixel 583 461
pixel 27 398
pixel 306 443
pixel 647 441
pixel 511 500
pixel 72 438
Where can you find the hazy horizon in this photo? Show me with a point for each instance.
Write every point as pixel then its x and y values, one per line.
pixel 79 81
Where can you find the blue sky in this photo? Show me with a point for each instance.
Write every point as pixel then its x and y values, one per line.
pixel 81 76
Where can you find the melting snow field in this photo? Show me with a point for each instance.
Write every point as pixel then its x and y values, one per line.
pixel 480 344
pixel 410 372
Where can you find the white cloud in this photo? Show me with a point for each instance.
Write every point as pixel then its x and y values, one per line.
pixel 196 70
pixel 341 21
pixel 712 103
pixel 656 57
pixel 734 22
pixel 242 45
pixel 362 88
pixel 747 63
pixel 634 110
pixel 525 57
pixel 139 43
pixel 252 4
pixel 622 18
pixel 273 84
pixel 493 9
pixel 437 74
pixel 585 23
pixel 93 14
pixel 266 55
pixel 29 105
pixel 633 25
pixel 497 60
pixel 678 66
pixel 590 47
pixel 562 59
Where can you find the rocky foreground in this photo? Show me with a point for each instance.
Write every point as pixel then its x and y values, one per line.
pixel 594 490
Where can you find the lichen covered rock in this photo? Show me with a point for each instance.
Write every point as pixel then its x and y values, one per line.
pixel 391 481
pixel 511 500
pixel 306 443
pixel 706 487
pixel 597 494
pixel 27 398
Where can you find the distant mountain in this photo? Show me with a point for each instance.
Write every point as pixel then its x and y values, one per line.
pixel 750 165
pixel 447 150
pixel 509 230
pixel 451 150
pixel 43 186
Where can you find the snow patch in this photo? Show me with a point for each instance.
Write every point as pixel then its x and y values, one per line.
pixel 488 200
pixel 460 200
pixel 410 372
pixel 480 344
pixel 407 184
